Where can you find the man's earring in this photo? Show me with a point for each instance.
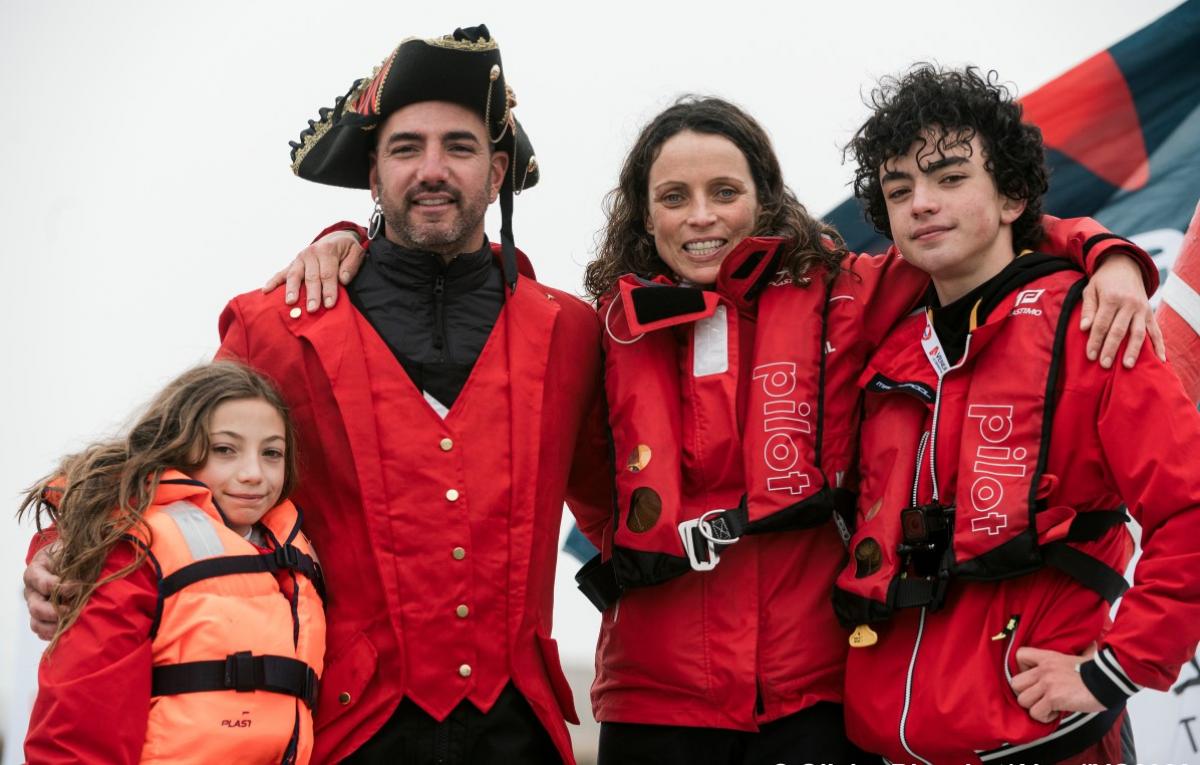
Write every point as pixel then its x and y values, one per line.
pixel 375 225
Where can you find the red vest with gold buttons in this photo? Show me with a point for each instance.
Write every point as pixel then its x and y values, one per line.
pixel 450 524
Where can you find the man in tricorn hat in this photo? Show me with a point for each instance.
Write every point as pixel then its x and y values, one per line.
pixel 445 399
pixel 439 412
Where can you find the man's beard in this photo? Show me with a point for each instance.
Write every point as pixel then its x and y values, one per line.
pixel 447 237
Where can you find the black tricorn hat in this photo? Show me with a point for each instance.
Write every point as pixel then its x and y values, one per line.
pixel 462 68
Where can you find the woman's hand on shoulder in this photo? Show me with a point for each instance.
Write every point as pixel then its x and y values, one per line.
pixel 1116 309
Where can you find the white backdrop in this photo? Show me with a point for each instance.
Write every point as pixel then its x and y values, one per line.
pixel 144 168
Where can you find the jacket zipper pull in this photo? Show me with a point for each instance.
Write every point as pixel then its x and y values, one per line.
pixel 439 317
pixel 1008 630
pixel 863 637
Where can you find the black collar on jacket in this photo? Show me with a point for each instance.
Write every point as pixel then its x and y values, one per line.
pixel 952 322
pixel 413 269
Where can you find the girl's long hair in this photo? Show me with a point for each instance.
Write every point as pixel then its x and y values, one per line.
pixel 98 497
pixel 625 245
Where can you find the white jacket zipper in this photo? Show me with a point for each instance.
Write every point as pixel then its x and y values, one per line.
pixel 908 683
pixel 930 438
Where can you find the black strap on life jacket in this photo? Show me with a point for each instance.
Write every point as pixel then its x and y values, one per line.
pixel 1094 574
pixel 284 557
pixel 598 581
pixel 1097 576
pixel 919 592
pixel 242 672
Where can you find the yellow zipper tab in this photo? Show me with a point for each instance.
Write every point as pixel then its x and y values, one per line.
pixel 1008 629
pixel 863 637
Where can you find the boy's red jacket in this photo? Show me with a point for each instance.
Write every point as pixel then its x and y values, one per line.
pixel 935 687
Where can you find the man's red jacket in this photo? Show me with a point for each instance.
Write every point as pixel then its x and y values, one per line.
pixel 555 451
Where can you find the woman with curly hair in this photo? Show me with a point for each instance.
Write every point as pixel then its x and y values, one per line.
pixel 735 328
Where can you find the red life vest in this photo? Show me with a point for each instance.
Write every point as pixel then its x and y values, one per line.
pixel 239 641
pixel 716 428
pixel 905 554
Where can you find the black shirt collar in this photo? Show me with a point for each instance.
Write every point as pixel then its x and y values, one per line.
pixel 415 268
pixel 952 321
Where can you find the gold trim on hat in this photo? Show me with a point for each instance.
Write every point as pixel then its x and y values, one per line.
pixel 448 41
pixel 387 69
pixel 307 141
pixel 309 138
pixel 506 120
pixel 530 167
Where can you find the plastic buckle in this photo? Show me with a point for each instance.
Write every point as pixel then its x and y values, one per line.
pixel 287 556
pixel 239 671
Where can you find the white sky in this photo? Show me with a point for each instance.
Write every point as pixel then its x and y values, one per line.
pixel 144 171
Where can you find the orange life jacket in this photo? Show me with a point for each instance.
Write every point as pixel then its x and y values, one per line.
pixel 239 639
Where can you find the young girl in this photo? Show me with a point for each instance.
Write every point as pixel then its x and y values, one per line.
pixel 192 630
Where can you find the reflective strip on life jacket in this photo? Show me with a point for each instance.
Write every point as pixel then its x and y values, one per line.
pixel 196 528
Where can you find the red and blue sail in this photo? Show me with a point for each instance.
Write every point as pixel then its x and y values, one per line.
pixel 1122 135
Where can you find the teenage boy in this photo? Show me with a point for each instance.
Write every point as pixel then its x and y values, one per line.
pixel 997 464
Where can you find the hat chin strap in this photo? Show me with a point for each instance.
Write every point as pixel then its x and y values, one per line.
pixel 508 247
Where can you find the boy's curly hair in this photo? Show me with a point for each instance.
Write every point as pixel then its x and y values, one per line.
pixel 961 104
